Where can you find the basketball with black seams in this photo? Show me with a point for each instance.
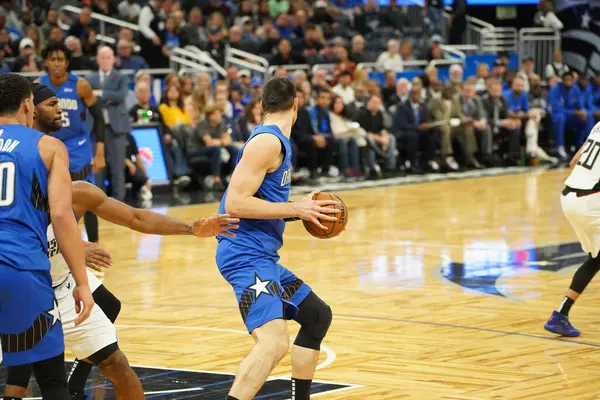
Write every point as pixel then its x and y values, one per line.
pixel 334 228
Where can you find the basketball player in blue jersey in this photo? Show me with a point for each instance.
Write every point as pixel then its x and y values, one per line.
pixel 268 293
pixel 35 190
pixel 75 95
pixel 96 338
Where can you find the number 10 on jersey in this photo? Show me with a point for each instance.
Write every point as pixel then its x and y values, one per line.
pixel 7 183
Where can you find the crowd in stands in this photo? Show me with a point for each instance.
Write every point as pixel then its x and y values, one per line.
pixel 349 126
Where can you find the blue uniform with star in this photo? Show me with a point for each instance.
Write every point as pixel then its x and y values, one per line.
pixel 30 330
pixel 265 290
pixel 74 132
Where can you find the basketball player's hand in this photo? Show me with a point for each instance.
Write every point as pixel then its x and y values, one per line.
pixel 96 257
pixel 99 163
pixel 83 302
pixel 316 210
pixel 221 224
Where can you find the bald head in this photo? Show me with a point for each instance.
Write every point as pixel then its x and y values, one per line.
pixel 105 58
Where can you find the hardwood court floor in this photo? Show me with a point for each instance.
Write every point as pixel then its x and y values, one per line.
pixel 439 291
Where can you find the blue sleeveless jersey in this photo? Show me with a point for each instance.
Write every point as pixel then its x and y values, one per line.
pixel 24 212
pixel 74 133
pixel 262 234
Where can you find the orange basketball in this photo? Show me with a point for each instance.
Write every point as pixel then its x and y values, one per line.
pixel 333 228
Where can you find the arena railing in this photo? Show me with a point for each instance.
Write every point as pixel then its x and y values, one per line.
pixel 193 57
pixel 539 43
pixel 291 68
pixel 103 19
pixel 246 60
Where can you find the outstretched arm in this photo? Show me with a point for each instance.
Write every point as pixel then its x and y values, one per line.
pixel 87 197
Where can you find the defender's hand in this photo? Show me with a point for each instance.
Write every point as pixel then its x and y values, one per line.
pixel 315 210
pixel 96 257
pixel 82 294
pixel 213 226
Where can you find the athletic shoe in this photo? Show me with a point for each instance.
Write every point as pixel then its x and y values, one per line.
pixel 145 193
pixel 182 181
pixel 560 325
pixel 562 154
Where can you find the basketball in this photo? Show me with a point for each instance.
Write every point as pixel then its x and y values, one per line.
pixel 333 228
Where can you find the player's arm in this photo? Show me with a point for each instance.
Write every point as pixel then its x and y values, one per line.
pixel 84 89
pixel 261 156
pixel 90 198
pixel 63 221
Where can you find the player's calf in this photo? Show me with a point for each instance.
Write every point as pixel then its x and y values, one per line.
pixel 314 317
pixel 126 384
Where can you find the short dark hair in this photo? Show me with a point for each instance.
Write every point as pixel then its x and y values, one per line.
pixel 568 73
pixel 54 47
pixel 278 95
pixel 13 90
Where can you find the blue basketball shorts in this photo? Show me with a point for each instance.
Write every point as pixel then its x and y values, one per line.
pixel 265 290
pixel 30 327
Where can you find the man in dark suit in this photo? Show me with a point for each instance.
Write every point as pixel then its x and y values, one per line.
pixel 410 127
pixel 504 129
pixel 111 88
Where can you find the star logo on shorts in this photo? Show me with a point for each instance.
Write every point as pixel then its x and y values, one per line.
pixel 259 287
pixel 54 312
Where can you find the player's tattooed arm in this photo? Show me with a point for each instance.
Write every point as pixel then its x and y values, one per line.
pixel 87 197
pixel 84 89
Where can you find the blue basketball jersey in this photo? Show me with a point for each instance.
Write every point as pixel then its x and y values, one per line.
pixel 74 133
pixel 262 234
pixel 24 212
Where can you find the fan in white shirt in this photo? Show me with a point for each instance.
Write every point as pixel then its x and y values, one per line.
pixel 391 60
pixel 343 88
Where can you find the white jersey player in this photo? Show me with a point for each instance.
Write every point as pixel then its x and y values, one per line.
pixel 580 202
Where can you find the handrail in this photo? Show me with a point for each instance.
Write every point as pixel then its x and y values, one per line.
pixel 465 47
pixel 480 22
pixel 113 41
pixel 553 33
pixel 437 63
pixel 328 67
pixel 453 51
pixel 151 71
pixel 240 58
pixel 189 63
pixel 244 54
pixel 292 67
pixel 195 56
pixel 103 19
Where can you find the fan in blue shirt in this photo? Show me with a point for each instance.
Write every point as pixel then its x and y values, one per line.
pixel 567 109
pixel 594 98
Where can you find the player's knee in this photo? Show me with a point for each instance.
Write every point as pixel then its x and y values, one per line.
pixel 17 380
pixel 108 302
pixel 314 317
